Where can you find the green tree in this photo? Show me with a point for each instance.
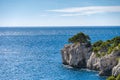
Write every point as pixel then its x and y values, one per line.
pixel 80 37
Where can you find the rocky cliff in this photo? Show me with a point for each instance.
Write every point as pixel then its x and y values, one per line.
pixel 102 56
pixel 76 55
pixel 107 63
pixel 80 56
pixel 104 64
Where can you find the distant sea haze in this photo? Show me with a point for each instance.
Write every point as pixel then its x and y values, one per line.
pixel 34 53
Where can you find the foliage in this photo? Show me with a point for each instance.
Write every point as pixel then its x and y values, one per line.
pixel 116 41
pixel 118 77
pixel 98 55
pixel 80 37
pixel 111 78
pixel 106 46
pixel 96 49
pixel 110 50
pixel 98 43
pixel 118 46
pixel 101 48
pixel 114 78
pixel 103 54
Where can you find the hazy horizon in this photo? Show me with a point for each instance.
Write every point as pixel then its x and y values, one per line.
pixel 58 26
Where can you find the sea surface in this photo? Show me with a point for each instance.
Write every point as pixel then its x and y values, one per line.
pixel 34 53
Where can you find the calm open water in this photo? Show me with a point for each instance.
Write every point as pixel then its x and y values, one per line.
pixel 34 53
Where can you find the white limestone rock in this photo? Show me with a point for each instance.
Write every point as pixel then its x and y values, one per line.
pixel 76 55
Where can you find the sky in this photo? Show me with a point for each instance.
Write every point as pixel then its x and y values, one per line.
pixel 59 13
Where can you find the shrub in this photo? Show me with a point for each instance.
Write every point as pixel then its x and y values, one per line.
pixel 110 50
pixel 118 77
pixel 98 55
pixel 119 46
pixel 96 49
pixel 98 43
pixel 111 78
pixel 107 46
pixel 116 41
pixel 103 54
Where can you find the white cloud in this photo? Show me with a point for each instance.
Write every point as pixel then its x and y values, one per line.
pixel 75 11
pixel 82 13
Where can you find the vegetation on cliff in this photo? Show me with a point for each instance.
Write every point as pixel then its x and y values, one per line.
pixel 80 37
pixel 102 48
pixel 114 78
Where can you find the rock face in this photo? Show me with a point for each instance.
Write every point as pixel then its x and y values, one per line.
pixel 76 55
pixel 116 70
pixel 108 62
pixel 93 62
pixel 81 56
pixel 104 64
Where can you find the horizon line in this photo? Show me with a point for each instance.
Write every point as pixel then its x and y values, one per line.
pixel 54 26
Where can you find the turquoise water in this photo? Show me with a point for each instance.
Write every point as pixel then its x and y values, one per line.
pixel 34 53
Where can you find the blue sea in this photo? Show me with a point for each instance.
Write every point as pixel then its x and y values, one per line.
pixel 34 53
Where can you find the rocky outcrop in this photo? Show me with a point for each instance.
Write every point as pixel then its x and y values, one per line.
pixel 80 56
pixel 104 64
pixel 76 55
